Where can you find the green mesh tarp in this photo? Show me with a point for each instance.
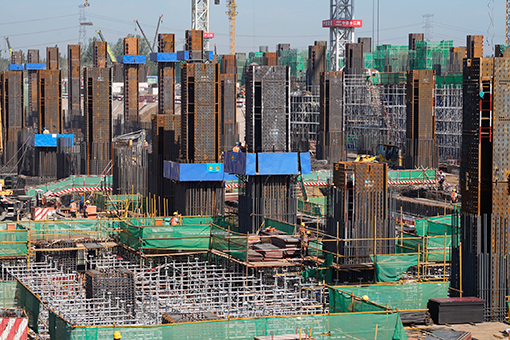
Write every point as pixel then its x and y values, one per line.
pixel 13 242
pixel 281 226
pixel 434 245
pixel 229 242
pixel 390 268
pixel 411 175
pixel 324 327
pixel 8 294
pixel 71 229
pixel 344 301
pixel 406 296
pixel 72 182
pixel 323 272
pixel 436 226
pixel 27 300
pixel 176 237
pixel 310 207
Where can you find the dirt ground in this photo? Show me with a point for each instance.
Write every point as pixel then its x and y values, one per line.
pixel 479 331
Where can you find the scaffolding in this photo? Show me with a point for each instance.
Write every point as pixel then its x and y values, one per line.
pixel 448 111
pixel 187 287
pixel 304 118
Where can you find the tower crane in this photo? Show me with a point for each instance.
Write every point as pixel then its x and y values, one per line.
pixel 508 22
pixel 232 13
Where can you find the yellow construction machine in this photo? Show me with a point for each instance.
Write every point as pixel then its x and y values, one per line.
pixel 386 153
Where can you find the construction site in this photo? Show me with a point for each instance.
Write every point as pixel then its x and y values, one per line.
pixel 350 190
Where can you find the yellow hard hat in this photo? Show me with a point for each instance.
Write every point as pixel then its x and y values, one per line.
pixel 175 213
pixel 87 202
pixel 365 297
pixel 117 335
pixel 454 190
pixel 302 224
pixel 308 232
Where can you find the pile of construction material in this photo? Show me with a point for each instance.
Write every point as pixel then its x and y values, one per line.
pixel 275 248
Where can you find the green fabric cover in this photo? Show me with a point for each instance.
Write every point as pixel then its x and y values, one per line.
pixel 324 327
pixel 8 294
pixel 324 272
pixel 13 242
pixel 403 297
pixel 343 301
pixel 281 226
pixel 391 267
pixel 31 304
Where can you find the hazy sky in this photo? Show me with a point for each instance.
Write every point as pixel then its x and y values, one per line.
pixel 40 23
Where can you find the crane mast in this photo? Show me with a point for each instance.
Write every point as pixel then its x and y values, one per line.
pixel 232 13
pixel 508 22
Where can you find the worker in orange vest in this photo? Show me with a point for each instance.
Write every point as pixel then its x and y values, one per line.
pixel 454 196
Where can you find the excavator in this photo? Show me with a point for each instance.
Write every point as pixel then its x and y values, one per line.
pixel 386 153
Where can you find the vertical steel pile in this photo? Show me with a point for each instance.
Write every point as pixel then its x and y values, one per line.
pixel 483 269
pixel 367 44
pixel 457 55
pixel 228 90
pixel 448 119
pixel 74 120
pixel 270 58
pixel 195 44
pixel 12 103
pixel 32 115
pixel 330 144
pixel 67 259
pixel 98 112
pixel 130 164
pixel 358 212
pixel 354 63
pixel 131 118
pixel 205 198
pixel 115 284
pixel 200 108
pixel 263 197
pixel 413 38
pixel 267 108
pixel 420 122
pixel 474 46
pixel 317 63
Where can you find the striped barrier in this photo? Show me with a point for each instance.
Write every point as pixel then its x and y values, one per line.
pixel 71 190
pixel 323 184
pixel 14 328
pixel 42 213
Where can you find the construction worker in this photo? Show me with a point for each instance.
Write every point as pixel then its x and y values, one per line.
pixel 85 206
pixel 441 179
pixel 175 219
pixel 46 131
pixel 117 336
pixel 237 147
pixel 305 239
pixel 454 196
pixel 72 208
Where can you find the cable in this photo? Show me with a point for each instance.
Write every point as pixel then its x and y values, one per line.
pixel 30 33
pixel 32 20
pixel 48 43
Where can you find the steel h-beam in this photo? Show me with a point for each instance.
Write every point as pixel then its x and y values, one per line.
pixel 339 36
pixel 200 18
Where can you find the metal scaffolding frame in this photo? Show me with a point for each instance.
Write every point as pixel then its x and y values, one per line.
pixel 448 111
pixel 304 117
pixel 190 285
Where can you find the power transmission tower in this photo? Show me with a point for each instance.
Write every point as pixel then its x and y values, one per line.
pixel 83 23
pixel 427 26
pixel 339 36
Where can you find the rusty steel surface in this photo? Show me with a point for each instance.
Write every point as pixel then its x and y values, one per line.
pixel 50 100
pixel 457 55
pixel 74 85
pixel 200 112
pixel 474 46
pixel 166 133
pixel 413 38
pixel 270 59
pixel 166 72
pixel 31 121
pixel 12 104
pixel 317 63
pixel 330 144
pixel 228 64
pixel 97 104
pixel 131 118
pixel 131 46
pixel 354 63
pixel 52 58
pixel 100 54
pixel 228 110
pixel 420 122
pixel 195 44
pixel 17 57
pixel 166 42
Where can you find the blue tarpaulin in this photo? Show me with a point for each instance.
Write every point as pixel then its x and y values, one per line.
pixel 50 140
pixel 35 66
pixel 267 163
pixel 164 57
pixel 131 59
pixel 185 172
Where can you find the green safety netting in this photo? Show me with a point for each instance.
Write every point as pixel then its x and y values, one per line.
pixel 314 206
pixel 401 296
pixel 430 53
pixel 324 272
pixel 436 226
pixel 119 202
pixel 453 79
pixel 390 268
pixel 344 301
pixel 166 237
pixel 72 182
pixel 229 242
pixel 331 327
pixel 8 294
pixel 434 247
pixel 411 175
pixel 281 226
pixel 92 228
pixel 13 242
pixel 30 303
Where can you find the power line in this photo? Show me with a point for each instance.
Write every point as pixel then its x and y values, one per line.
pixel 32 20
pixel 31 33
